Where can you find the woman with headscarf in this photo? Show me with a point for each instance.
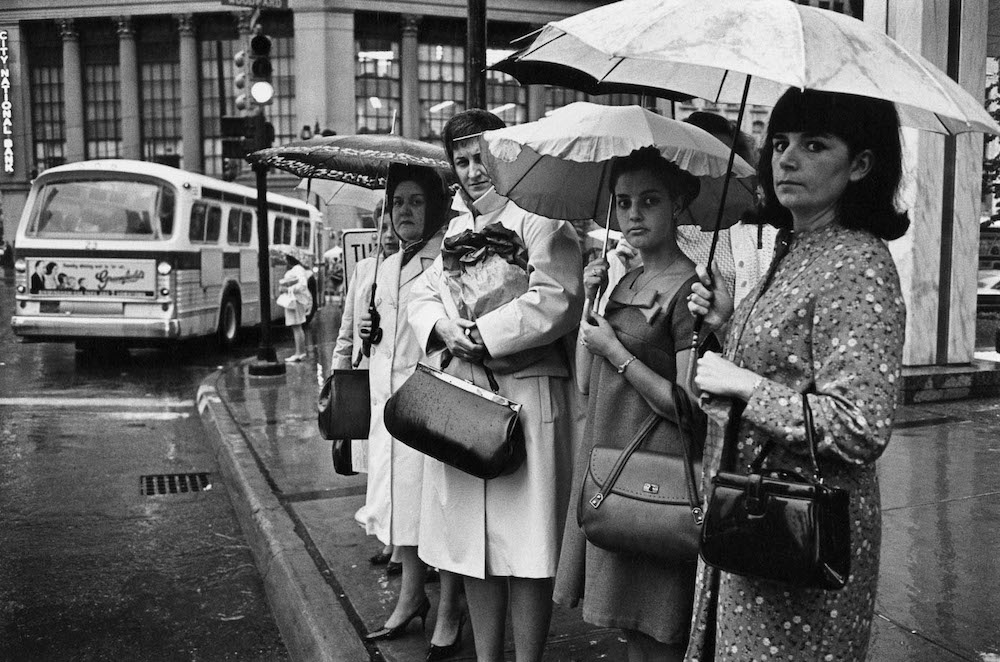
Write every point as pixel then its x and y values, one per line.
pixel 395 471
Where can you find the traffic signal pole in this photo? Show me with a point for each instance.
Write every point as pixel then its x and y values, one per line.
pixel 475 59
pixel 267 360
pixel 258 135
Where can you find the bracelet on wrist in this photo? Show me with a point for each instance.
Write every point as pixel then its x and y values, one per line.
pixel 625 364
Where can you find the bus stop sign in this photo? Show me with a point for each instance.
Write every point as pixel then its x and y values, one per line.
pixel 359 243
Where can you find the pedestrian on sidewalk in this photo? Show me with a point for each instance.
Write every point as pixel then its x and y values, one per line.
pixel 827 319
pixel 297 301
pixel 503 534
pixel 627 362
pixel 395 471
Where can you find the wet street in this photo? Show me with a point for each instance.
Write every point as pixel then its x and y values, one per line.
pixel 93 566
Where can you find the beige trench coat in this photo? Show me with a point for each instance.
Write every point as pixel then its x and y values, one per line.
pixel 395 471
pixel 512 525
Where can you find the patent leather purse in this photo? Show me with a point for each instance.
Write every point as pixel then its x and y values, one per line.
pixel 789 529
pixel 344 409
pixel 456 422
pixel 642 502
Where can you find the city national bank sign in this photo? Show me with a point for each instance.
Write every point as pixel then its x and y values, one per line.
pixel 5 106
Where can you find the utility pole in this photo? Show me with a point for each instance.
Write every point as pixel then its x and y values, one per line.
pixel 475 59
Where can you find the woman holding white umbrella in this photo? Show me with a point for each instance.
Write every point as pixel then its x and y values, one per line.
pixel 827 320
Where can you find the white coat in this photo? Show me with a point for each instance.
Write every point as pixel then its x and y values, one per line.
pixel 355 304
pixel 395 471
pixel 512 525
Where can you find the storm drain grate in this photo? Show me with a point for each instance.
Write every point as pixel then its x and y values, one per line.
pixel 173 484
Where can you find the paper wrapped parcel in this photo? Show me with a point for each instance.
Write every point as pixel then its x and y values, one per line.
pixel 484 270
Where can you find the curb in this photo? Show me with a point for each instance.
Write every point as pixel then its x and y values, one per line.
pixel 312 623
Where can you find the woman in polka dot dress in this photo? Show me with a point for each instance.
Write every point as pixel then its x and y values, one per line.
pixel 828 318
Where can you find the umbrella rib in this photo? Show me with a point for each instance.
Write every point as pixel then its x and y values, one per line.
pixel 722 84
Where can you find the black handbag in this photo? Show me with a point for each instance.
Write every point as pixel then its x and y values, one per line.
pixel 635 501
pixel 344 410
pixel 792 529
pixel 457 422
pixel 342 463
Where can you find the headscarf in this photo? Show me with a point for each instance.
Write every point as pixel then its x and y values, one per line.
pixel 434 212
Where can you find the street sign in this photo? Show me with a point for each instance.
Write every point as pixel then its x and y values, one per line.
pixel 258 4
pixel 359 243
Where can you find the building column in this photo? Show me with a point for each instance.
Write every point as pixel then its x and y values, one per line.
pixel 191 150
pixel 409 81
pixel 537 96
pixel 128 65
pixel 938 257
pixel 324 52
pixel 72 91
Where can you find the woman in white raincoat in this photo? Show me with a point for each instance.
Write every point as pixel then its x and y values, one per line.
pixel 395 471
pixel 298 302
pixel 504 534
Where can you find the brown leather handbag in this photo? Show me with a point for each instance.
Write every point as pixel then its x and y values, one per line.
pixel 785 528
pixel 636 501
pixel 457 422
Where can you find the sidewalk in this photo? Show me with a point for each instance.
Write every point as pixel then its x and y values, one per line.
pixel 938 596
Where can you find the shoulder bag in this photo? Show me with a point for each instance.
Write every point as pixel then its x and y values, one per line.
pixel 642 502
pixel 457 422
pixel 789 529
pixel 344 413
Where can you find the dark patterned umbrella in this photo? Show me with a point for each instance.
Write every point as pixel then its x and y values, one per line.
pixel 362 160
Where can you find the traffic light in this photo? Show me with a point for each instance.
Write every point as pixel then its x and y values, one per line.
pixel 261 69
pixel 244 134
pixel 234 137
pixel 241 83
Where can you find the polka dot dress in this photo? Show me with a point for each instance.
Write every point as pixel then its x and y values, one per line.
pixel 832 322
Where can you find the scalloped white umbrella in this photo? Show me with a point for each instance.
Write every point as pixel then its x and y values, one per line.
pixel 707 49
pixel 558 166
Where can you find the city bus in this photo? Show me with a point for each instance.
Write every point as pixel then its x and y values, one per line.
pixel 146 254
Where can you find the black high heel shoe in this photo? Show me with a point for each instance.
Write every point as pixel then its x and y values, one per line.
pixel 391 633
pixel 435 653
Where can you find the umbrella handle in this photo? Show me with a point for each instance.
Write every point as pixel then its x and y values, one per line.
pixel 604 251
pixel 699 321
pixel 376 334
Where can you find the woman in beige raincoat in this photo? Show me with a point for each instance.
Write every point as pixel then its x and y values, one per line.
pixel 395 471
pixel 504 534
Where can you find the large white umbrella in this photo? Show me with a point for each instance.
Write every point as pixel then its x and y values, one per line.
pixel 707 49
pixel 558 166
pixel 342 193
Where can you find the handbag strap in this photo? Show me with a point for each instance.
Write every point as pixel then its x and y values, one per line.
pixel 645 430
pixel 807 417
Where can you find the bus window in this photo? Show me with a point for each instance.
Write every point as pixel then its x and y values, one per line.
pixel 196 232
pixel 101 208
pixel 205 223
pixel 302 233
pixel 282 230
pixel 246 227
pixel 213 225
pixel 166 212
pixel 239 227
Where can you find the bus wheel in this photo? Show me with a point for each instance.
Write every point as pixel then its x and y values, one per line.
pixel 229 322
pixel 315 302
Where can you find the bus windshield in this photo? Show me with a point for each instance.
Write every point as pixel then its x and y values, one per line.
pixel 103 208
